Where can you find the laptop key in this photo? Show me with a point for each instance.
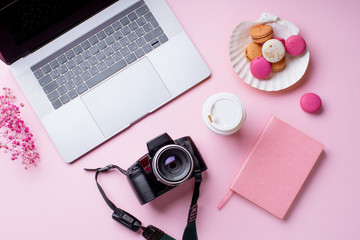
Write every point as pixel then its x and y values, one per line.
pixel 77 70
pixel 101 35
pixel 110 40
pixel 133 46
pixel 147 27
pixel 56 104
pixel 69 75
pixel 163 38
pixel 117 35
pixel 61 80
pixel 125 21
pixel 70 54
pixel 46 69
pixel 100 56
pixel 116 46
pixel 153 34
pixel 70 64
pixel 125 31
pixel 102 45
pixel 141 11
pixel 116 25
pixel 109 30
pixel 132 16
pixel 94 50
pixel 130 58
pixel 45 80
pixel 124 42
pixel 86 55
pixel 86 44
pixel 109 61
pixel 108 51
pixel 78 49
pixel 125 51
pixel 150 18
pixel 62 90
pixel 64 99
pixel 86 75
pixel 63 69
pixel 54 64
pixel 55 74
pixel 81 88
pixel 72 94
pixel 77 80
pixel 93 40
pixel 53 95
pixel 155 43
pixel 147 48
pixel 141 42
pixel 38 74
pixel 93 71
pixel 62 59
pixel 117 56
pixel 85 66
pixel 141 21
pixel 92 61
pixel 140 32
pixel 106 73
pixel 78 59
pixel 101 66
pixel 70 85
pixel 133 26
pixel 50 87
pixel 139 53
pixel 132 37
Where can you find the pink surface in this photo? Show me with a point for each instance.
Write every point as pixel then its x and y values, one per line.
pixel 310 102
pixel 260 68
pixel 277 167
pixel 60 201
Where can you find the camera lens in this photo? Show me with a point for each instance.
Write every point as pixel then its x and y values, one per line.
pixel 172 165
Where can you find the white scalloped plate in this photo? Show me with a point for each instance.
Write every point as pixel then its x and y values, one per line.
pixel 295 66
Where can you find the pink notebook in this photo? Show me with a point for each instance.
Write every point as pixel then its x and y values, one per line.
pixel 276 168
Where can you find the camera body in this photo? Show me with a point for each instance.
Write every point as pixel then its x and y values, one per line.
pixel 168 164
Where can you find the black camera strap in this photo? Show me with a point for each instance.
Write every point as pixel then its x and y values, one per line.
pixel 151 232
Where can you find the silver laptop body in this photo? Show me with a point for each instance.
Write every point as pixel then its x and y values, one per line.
pixel 131 89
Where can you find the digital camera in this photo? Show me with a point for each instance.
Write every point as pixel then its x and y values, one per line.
pixel 168 164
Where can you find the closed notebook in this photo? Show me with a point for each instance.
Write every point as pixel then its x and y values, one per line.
pixel 276 168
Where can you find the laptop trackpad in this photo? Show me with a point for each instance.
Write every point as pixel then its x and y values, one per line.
pixel 126 97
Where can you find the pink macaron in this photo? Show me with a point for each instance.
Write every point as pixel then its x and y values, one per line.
pixel 260 68
pixel 310 102
pixel 295 45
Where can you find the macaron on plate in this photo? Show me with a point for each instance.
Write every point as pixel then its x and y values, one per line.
pixel 295 65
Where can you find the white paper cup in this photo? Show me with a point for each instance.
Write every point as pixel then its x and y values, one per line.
pixel 223 113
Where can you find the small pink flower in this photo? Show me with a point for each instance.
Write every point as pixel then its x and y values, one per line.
pixel 15 136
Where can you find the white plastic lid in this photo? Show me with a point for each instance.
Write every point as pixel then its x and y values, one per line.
pixel 223 113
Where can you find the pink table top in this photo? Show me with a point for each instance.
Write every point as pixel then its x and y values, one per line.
pixel 60 201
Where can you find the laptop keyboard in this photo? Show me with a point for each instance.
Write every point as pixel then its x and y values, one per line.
pixel 99 54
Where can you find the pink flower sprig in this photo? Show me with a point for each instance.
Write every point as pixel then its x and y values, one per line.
pixel 15 136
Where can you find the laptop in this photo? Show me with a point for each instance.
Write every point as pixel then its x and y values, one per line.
pixel 92 68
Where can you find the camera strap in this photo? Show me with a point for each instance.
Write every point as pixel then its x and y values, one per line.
pixel 150 232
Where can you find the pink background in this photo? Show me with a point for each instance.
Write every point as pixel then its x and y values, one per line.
pixel 60 201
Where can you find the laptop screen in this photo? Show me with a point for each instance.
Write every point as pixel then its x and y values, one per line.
pixel 27 24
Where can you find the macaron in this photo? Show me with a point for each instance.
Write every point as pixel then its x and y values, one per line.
pixel 260 68
pixel 253 50
pixel 273 50
pixel 281 40
pixel 261 33
pixel 295 45
pixel 310 102
pixel 279 66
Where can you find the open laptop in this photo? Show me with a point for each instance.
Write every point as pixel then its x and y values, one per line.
pixel 92 68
